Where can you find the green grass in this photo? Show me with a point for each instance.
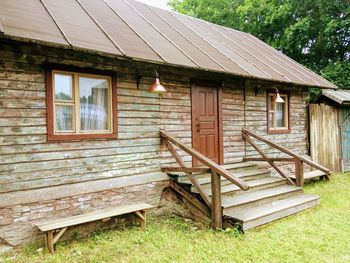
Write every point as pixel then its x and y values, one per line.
pixel 321 234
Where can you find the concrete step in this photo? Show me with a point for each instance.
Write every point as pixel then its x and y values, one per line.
pixel 258 184
pixel 260 197
pixel 246 176
pixel 259 215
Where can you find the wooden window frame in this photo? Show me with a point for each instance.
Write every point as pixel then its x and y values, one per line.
pixel 64 136
pixel 278 130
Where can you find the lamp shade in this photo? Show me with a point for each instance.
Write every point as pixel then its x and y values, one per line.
pixel 157 87
pixel 279 98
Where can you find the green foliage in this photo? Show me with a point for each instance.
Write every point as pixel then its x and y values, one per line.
pixel 338 73
pixel 316 33
pixel 76 236
pixel 62 96
pixel 320 234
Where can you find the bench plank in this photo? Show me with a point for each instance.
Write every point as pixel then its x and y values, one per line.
pixel 91 216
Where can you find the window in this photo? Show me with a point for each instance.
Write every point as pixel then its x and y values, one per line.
pixel 278 114
pixel 80 105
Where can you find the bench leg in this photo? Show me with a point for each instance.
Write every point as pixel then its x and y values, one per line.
pixel 51 239
pixel 142 218
pixel 46 243
pixel 143 221
pixel 50 243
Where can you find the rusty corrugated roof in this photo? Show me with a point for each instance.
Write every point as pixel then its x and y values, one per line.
pixel 339 96
pixel 135 30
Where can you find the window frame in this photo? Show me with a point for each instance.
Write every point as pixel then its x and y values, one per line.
pixel 278 130
pixel 52 135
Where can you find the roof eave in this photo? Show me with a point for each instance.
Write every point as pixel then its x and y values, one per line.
pixel 111 55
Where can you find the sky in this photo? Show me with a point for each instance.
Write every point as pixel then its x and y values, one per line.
pixel 158 3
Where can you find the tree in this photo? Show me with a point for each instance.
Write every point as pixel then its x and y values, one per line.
pixel 316 33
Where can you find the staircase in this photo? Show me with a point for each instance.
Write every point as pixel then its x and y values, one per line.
pixel 268 198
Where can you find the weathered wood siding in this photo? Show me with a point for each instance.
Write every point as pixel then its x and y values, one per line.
pixel 41 179
pixel 175 116
pixel 256 119
pixel 325 145
pixel 233 120
pixel 28 161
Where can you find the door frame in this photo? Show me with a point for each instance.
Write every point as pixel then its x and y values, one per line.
pixel 218 86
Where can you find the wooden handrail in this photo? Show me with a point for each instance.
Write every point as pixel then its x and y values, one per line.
pixel 256 147
pixel 290 153
pixel 206 161
pixel 193 180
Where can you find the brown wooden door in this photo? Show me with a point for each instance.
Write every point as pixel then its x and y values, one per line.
pixel 205 122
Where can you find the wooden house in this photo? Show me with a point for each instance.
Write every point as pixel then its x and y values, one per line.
pixel 80 130
pixel 330 130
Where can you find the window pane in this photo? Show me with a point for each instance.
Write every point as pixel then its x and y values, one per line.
pixel 270 110
pixel 271 120
pixel 63 87
pixel 64 118
pixel 93 104
pixel 280 120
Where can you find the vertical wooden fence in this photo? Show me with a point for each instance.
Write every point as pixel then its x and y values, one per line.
pixel 325 145
pixel 344 124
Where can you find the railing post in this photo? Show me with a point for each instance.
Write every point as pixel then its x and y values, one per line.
pixel 216 209
pixel 299 172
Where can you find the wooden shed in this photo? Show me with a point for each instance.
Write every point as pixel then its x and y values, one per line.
pixel 80 129
pixel 330 130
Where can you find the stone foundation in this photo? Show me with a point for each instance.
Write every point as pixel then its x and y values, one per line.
pixel 17 221
pixel 173 203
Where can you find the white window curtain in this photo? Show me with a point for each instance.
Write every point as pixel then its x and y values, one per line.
pixel 64 118
pixel 93 104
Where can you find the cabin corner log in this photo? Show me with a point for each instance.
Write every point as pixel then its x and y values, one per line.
pixel 287 151
pixel 206 161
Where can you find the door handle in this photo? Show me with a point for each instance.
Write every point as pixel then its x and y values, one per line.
pixel 198 127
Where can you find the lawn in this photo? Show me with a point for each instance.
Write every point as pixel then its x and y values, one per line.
pixel 321 234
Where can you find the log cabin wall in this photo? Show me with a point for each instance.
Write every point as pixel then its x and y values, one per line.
pixel 40 179
pixel 256 118
pixel 29 161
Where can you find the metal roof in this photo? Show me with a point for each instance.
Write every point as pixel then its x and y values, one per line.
pixel 339 96
pixel 135 30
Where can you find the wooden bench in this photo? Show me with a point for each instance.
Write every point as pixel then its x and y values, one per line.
pixel 54 229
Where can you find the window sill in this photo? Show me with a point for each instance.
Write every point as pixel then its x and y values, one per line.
pixel 278 131
pixel 73 137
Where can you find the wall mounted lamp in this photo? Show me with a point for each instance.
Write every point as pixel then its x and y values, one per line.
pixel 278 97
pixel 157 87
